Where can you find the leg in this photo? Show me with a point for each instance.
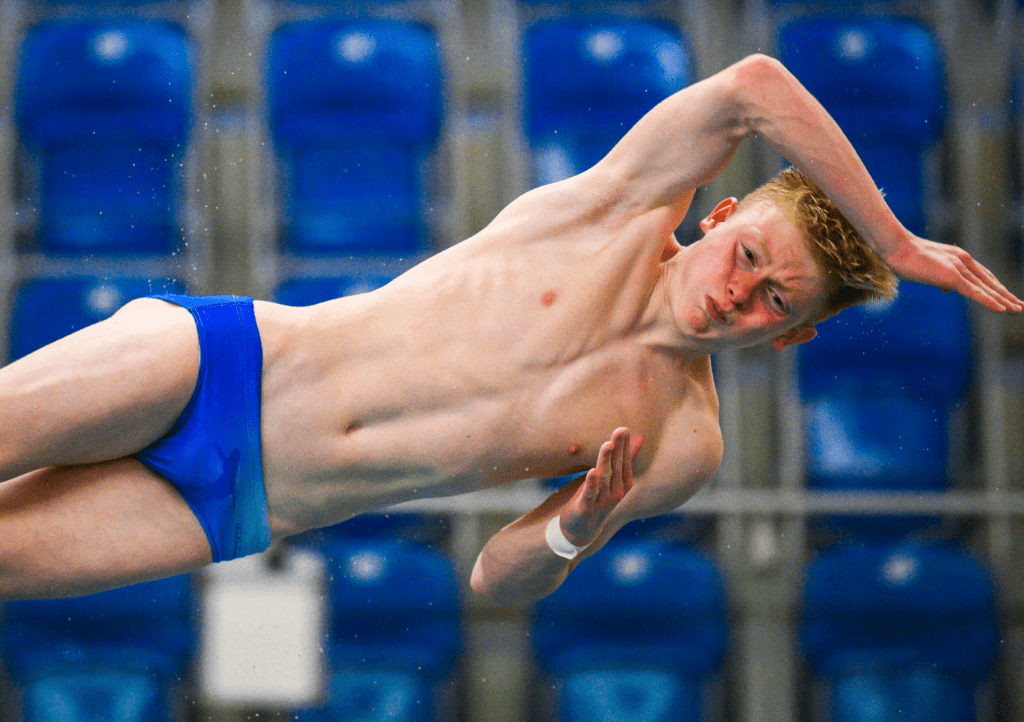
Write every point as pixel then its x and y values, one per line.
pixel 81 529
pixel 101 393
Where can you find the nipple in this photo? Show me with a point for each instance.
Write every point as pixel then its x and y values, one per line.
pixel 548 298
pixel 574 449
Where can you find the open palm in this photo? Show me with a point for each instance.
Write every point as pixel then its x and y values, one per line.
pixel 584 515
pixel 952 269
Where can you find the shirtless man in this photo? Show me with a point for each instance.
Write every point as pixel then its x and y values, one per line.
pixel 574 327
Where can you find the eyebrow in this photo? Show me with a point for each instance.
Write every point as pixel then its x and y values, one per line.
pixel 763 240
pixel 780 285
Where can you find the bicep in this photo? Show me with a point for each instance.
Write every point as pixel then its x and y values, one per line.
pixel 681 144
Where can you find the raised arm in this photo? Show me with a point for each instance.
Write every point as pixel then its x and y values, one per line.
pixel 688 138
pixel 517 565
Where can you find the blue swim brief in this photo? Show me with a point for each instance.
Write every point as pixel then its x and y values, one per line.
pixel 213 453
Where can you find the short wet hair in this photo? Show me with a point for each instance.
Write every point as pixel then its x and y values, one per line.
pixel 853 272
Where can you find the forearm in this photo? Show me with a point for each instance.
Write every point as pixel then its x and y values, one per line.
pixel 775 106
pixel 517 566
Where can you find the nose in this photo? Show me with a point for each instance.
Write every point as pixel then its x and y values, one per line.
pixel 741 287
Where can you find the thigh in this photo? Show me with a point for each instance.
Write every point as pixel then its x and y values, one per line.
pixel 75 530
pixel 101 393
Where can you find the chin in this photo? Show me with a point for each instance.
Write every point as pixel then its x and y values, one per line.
pixel 696 320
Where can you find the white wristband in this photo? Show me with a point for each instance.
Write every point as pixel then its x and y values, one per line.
pixel 557 541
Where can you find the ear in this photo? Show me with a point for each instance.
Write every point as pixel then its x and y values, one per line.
pixel 722 211
pixel 794 336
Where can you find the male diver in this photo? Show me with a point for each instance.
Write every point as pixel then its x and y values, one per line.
pixel 573 328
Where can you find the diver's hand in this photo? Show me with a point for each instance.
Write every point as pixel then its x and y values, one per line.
pixel 583 516
pixel 952 269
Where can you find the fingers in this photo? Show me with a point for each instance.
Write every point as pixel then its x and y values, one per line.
pixel 972 287
pixel 953 269
pixel 618 452
pixel 987 294
pixel 612 478
pixel 980 284
pixel 992 284
pixel 602 490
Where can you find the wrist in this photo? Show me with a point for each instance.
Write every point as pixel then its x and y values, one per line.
pixel 557 541
pixel 893 243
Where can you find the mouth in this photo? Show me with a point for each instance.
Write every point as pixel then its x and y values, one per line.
pixel 714 311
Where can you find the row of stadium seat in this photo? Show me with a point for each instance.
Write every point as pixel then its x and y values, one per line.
pixel 339 109
pixel 356 106
pixel 882 382
pixel 638 632
pixel 881 386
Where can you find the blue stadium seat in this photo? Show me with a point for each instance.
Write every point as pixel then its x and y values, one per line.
pixel 310 291
pixel 882 79
pixel 103 657
pixel 395 630
pixel 906 628
pixel 48 309
pixel 633 633
pixel 919 343
pixel 879 384
pixel 430 530
pixel 588 81
pixel 832 6
pixel 106 106
pixel 355 109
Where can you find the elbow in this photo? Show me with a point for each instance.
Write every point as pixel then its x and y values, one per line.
pixel 507 592
pixel 477 581
pixel 491 592
pixel 757 84
pixel 503 596
pixel 757 71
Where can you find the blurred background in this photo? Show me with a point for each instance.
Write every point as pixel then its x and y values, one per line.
pixel 855 559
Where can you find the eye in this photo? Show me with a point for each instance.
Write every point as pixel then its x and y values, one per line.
pixel 776 301
pixel 749 254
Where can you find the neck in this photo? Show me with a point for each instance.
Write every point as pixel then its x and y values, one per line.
pixel 658 326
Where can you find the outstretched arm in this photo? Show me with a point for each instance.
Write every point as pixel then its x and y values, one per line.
pixel 688 138
pixel 517 565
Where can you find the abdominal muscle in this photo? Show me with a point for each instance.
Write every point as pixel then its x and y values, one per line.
pixel 372 400
pixel 358 434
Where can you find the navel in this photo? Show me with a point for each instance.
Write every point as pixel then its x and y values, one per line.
pixel 353 427
pixel 548 298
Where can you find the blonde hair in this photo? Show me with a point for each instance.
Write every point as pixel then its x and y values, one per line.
pixel 853 272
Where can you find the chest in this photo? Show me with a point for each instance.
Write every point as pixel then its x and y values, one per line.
pixel 584 402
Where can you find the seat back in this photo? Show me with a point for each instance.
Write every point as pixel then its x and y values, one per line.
pixel 355 108
pixel 882 79
pixel 394 632
pixel 106 105
pixel 107 656
pixel 310 291
pixel 905 606
pixel 416 630
pixel 45 310
pixel 919 344
pixel 589 80
pixel 633 633
pixel 879 382
pixel 914 695
pixel 102 696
